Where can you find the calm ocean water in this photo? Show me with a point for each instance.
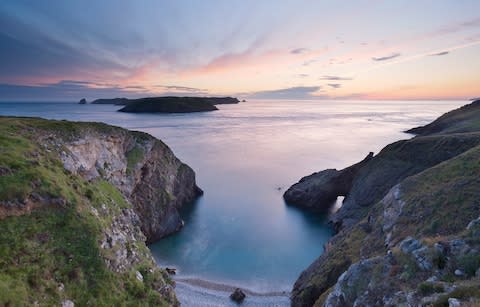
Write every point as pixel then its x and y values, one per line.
pixel 245 156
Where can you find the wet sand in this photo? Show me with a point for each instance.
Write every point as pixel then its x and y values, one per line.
pixel 198 292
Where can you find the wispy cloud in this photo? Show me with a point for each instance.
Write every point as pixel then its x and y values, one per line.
pixel 297 92
pixel 179 88
pixel 73 90
pixel 386 58
pixel 27 54
pixel 335 78
pixel 303 75
pixel 440 53
pixel 299 51
pixel 335 85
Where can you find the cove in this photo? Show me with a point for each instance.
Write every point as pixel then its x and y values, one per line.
pixel 245 156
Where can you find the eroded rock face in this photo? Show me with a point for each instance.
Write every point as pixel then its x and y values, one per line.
pixel 318 191
pixel 144 169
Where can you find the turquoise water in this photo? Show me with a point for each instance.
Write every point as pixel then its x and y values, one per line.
pixel 245 156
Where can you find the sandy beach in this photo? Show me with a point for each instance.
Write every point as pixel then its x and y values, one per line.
pixel 198 292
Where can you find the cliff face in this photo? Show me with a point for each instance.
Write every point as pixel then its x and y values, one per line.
pixel 402 234
pixel 144 169
pixel 77 203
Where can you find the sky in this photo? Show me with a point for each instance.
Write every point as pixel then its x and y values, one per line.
pixel 67 50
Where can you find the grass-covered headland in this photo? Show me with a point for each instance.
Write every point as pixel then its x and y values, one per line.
pixel 60 233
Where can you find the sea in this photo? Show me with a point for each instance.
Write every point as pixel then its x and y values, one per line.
pixel 241 233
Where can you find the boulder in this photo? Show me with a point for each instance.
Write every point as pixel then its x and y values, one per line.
pixel 171 271
pixel 453 302
pixel 238 295
pixel 82 101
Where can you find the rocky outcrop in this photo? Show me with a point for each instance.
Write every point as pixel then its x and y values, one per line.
pixel 144 169
pixel 405 213
pixel 318 191
pixel 414 275
pixel 82 101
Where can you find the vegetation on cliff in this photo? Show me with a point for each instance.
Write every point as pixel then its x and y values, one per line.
pixel 408 231
pixel 74 233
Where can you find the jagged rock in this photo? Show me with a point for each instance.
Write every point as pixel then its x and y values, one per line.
pixel 409 244
pixel 421 254
pixel 238 295
pixel 474 227
pixel 171 271
pixel 423 258
pixel 82 101
pixel 68 303
pixel 432 279
pixel 357 285
pixel 458 247
pixel 139 276
pixel 453 302
pixel 473 223
pixel 319 190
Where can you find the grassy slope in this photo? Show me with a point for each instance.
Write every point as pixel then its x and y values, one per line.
pixel 464 119
pixel 57 243
pixel 440 201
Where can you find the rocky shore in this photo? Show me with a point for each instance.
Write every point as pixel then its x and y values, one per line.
pixel 78 202
pixel 407 230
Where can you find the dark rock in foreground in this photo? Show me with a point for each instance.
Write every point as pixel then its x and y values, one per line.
pixel 238 295
pixel 318 191
pixel 82 101
pixel 115 101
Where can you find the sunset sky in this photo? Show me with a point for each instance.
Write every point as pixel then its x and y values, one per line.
pixel 67 50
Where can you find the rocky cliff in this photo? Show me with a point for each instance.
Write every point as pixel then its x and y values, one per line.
pixel 143 168
pixel 406 233
pixel 78 201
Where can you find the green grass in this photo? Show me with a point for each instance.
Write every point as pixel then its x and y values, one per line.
pixel 133 157
pixel 58 243
pixel 427 288
pixel 467 292
pixel 434 196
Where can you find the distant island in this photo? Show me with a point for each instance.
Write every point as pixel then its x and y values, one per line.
pixel 115 101
pixel 175 104
pixel 166 104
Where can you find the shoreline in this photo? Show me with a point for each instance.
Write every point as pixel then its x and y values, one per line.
pixel 222 287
